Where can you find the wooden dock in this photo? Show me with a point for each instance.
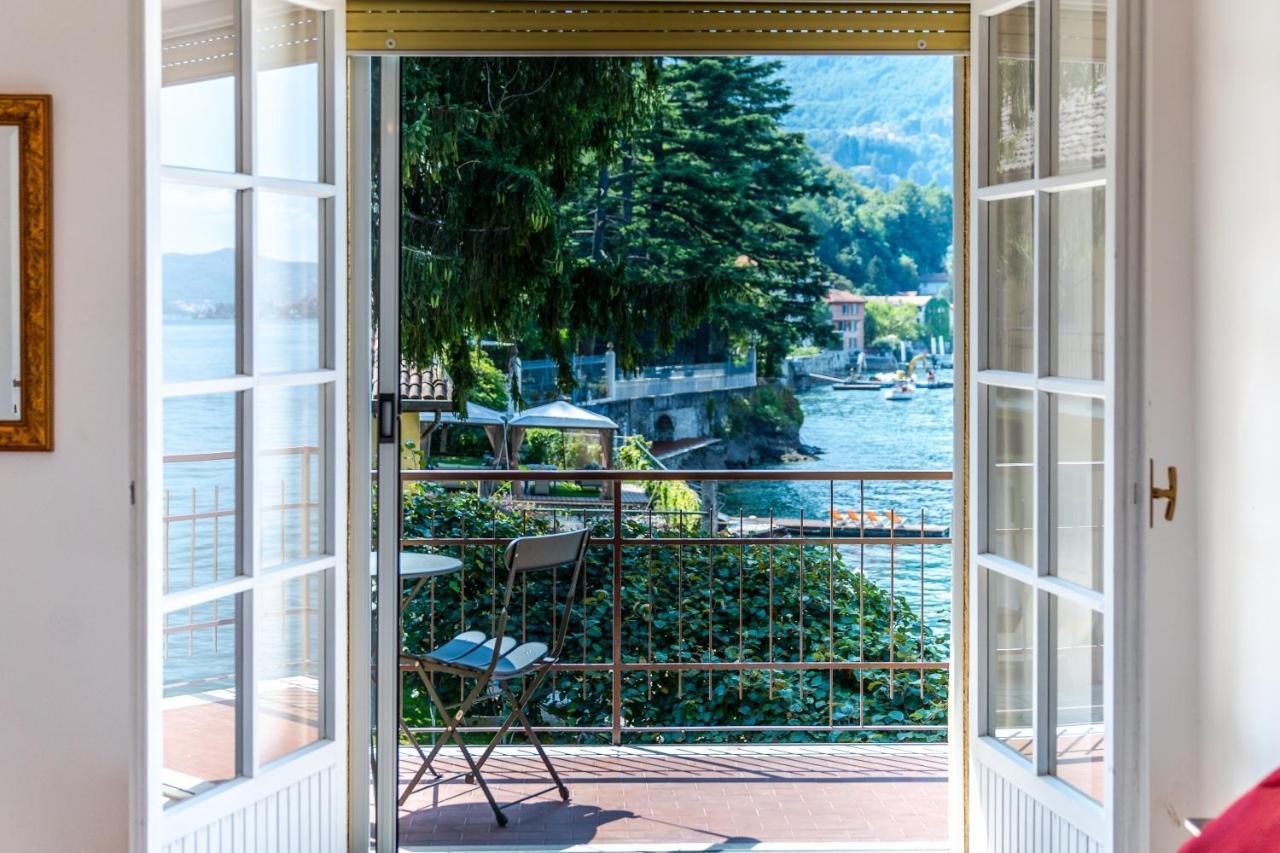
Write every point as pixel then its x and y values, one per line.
pixel 818 527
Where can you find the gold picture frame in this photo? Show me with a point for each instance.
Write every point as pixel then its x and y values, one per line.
pixel 33 428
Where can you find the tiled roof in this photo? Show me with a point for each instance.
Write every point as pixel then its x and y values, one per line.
pixel 425 389
pixel 914 299
pixel 835 295
pixel 422 389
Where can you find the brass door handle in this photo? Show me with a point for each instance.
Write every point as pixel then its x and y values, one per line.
pixel 1169 494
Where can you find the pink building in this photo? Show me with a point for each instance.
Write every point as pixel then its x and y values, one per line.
pixel 847 318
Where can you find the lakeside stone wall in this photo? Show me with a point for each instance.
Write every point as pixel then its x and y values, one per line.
pixel 670 417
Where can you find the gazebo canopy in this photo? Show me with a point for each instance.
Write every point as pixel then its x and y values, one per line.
pixel 562 415
pixel 477 415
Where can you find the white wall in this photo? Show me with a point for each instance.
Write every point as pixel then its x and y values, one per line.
pixel 1237 300
pixel 66 529
pixel 1171 638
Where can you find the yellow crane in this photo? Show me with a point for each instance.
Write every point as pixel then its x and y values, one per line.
pixel 911 366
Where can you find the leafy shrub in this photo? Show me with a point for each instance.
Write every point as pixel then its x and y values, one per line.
pixel 665 496
pixel 768 410
pixel 542 446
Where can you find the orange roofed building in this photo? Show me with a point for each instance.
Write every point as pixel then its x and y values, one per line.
pixel 847 318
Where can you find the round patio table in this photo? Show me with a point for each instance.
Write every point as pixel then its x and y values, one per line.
pixel 419 568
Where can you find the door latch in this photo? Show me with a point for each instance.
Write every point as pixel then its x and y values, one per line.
pixel 1169 494
pixel 387 418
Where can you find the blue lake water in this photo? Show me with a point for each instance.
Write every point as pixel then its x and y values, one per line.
pixel 200 445
pixel 861 431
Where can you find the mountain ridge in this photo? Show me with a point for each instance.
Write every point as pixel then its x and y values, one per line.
pixel 884 118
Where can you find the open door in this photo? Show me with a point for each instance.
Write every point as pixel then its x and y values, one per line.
pixel 246 490
pixel 1049 694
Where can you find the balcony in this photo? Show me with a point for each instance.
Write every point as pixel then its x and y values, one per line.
pixel 755 657
pixel 764 663
pixel 843 796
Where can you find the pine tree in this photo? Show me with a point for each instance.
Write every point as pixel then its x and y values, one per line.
pixel 698 223
pixel 491 148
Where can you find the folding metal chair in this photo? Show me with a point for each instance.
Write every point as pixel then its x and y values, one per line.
pixel 494 662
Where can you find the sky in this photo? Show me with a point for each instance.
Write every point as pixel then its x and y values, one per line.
pixel 198 131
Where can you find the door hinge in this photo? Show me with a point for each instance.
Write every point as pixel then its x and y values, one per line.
pixel 133 493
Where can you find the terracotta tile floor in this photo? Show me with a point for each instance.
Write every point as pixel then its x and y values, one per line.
pixel 691 797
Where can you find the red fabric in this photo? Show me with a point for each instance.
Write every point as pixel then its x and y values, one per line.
pixel 1250 825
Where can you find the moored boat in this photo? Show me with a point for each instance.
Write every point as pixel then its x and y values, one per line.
pixel 900 392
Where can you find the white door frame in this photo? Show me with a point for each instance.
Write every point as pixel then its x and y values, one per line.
pixel 381 716
pixel 220 818
pixel 361 718
pixel 1120 824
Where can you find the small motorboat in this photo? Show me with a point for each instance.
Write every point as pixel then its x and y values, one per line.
pixel 858 382
pixel 900 391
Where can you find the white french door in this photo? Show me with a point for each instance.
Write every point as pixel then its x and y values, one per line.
pixel 1049 693
pixel 246 489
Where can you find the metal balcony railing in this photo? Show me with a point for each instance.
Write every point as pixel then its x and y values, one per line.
pixel 202 546
pixel 811 624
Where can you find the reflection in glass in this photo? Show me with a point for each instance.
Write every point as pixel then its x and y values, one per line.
pixel 289 472
pixel 1010 475
pixel 1077 679
pixel 1080 114
pixel 1013 38
pixel 287 283
pixel 200 480
pixel 10 279
pixel 1010 285
pixel 198 236
pixel 1078 453
pixel 1078 283
pixel 290 665
pixel 1010 662
pixel 199 55
pixel 287 46
pixel 201 700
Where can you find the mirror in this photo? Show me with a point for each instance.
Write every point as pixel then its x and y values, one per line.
pixel 26 357
pixel 10 295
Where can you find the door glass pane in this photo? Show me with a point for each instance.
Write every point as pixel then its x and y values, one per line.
pixel 290 472
pixel 198 233
pixel 1013 111
pixel 1077 661
pixel 1077 507
pixel 1010 662
pixel 199 55
pixel 1080 114
pixel 290 665
pixel 1078 283
pixel 288 42
pixel 287 283
pixel 200 482
pixel 200 698
pixel 1010 285
pixel 1010 475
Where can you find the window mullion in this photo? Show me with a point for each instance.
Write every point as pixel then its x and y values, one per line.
pixel 1042 702
pixel 245 137
pixel 1044 89
pixel 246 650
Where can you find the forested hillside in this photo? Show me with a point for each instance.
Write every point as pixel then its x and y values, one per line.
pixel 885 118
